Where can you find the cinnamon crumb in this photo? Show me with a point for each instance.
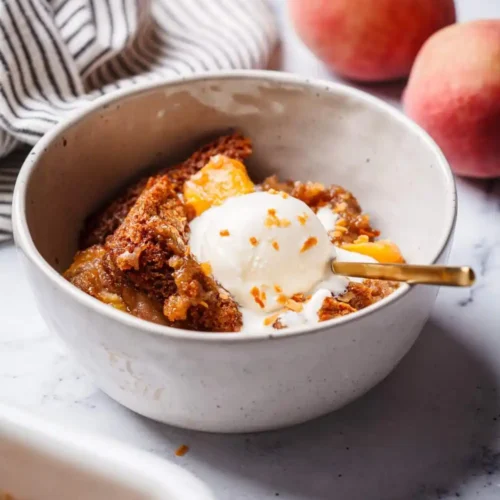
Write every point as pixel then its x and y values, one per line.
pixel 309 243
pixel 273 220
pixel 303 218
pixel 298 297
pixel 284 195
pixel 370 234
pixel 290 304
pixel 346 297
pixel 278 325
pixel 206 268
pixel 181 451
pixel 277 289
pixel 255 292
pixel 276 245
pixel 332 308
pixel 340 207
pixel 130 260
pixel 281 299
pixel 254 241
pixel 362 239
pixel 294 306
pixel 271 319
pixel 224 232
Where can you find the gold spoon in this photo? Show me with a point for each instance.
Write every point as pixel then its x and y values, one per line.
pixel 412 274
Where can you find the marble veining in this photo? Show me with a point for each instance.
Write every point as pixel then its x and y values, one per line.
pixel 431 430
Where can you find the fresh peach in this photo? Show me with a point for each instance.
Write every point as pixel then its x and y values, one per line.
pixel 369 40
pixel 454 93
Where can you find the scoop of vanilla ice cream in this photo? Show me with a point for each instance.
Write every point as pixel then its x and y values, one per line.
pixel 262 247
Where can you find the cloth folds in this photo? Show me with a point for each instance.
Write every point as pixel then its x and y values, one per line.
pixel 57 55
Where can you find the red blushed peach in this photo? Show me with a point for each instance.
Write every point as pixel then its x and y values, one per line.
pixel 454 93
pixel 369 40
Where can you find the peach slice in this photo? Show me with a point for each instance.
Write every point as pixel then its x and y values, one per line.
pixel 219 179
pixel 381 251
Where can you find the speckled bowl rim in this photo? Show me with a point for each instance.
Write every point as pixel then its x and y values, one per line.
pixel 24 241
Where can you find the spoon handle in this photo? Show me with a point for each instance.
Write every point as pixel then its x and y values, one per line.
pixel 428 275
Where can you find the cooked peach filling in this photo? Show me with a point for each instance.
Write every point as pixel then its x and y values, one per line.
pixel 219 179
pixel 384 251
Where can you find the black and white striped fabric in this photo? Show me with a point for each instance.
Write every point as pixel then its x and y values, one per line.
pixel 57 55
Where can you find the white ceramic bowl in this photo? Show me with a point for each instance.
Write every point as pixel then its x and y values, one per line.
pixel 63 465
pixel 308 130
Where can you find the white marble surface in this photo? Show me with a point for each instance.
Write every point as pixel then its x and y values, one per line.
pixel 430 430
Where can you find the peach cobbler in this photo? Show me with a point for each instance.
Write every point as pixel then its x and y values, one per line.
pixel 201 246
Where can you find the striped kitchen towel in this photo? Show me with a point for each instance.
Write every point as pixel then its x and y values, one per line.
pixel 57 55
